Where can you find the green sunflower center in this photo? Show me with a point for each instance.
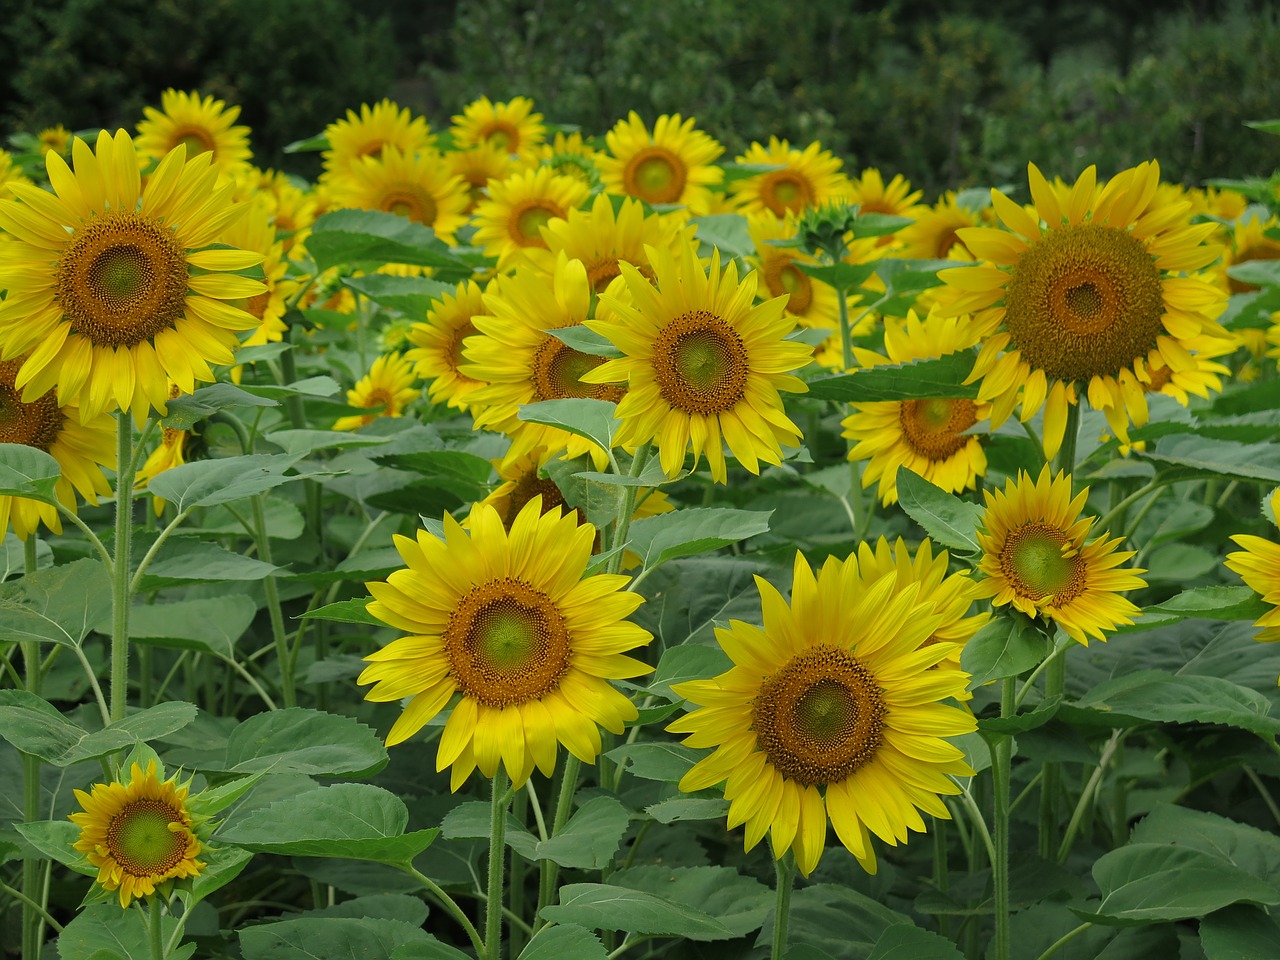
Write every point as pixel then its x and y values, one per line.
pixel 785 191
pixel 700 364
pixel 820 717
pixel 140 840
pixel 558 370
pixel 122 279
pixel 35 424
pixel 1084 301
pixel 528 219
pixel 655 175
pixel 507 642
pixel 935 428
pixel 1035 563
pixel 195 139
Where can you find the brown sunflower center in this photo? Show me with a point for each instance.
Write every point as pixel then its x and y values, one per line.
pixel 655 175
pixel 820 717
pixel 600 272
pixel 457 343
pixel 935 428
pixel 782 276
pixel 507 643
pixel 502 135
pixel 784 191
pixel 700 363
pixel 408 200
pixel 1035 564
pixel 1085 301
pixel 195 139
pixel 528 218
pixel 122 279
pixel 35 424
pixel 527 486
pixel 558 370
pixel 140 840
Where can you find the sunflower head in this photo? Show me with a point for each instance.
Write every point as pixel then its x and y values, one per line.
pixel 800 180
pixel 512 126
pixel 673 164
pixel 201 124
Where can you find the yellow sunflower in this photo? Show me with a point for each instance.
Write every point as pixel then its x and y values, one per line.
pixel 418 186
pixel 81 449
pixel 101 289
pixel 202 124
pixel 255 233
pixel 1034 555
pixel 511 220
pixel 831 710
pixel 56 138
pixel 703 365
pixel 1094 297
pixel 513 125
pixel 804 179
pixel 10 175
pixel 930 437
pixel 438 343
pixel 1259 566
pixel 933 236
pixel 520 362
pixel 672 165
pixel 388 385
pixel 139 834
pixel 571 156
pixel 506 621
pixel 812 302
pixel 480 164
pixel 1249 240
pixel 895 198
pixel 364 134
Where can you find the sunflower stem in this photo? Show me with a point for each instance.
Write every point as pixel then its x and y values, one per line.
pixel 120 586
pixel 154 928
pixel 1055 681
pixel 520 805
pixel 450 906
pixel 628 507
pixel 785 871
pixel 497 860
pixel 846 329
pixel 283 653
pixel 32 908
pixel 1001 758
pixel 564 804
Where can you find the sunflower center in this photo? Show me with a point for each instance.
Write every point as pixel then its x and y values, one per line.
pixel 558 370
pixel 35 424
pixel 528 486
pixel 785 191
pixel 1036 565
pixel 782 276
pixel 528 219
pixel 502 135
pixel 412 202
pixel 139 838
pixel 507 643
pixel 1084 301
pixel 601 272
pixel 122 279
pixel 457 343
pixel 820 717
pixel 195 139
pixel 935 428
pixel 700 363
pixel 655 175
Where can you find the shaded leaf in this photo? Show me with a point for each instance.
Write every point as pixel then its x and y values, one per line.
pixel 299 740
pixel 593 419
pixel 372 236
pixel 565 941
pixel 203 483
pixel 59 604
pixel 28 472
pixel 690 531
pixel 919 380
pixel 603 906
pixel 330 938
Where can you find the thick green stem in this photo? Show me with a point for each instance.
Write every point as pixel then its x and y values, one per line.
pixel 785 871
pixel 497 860
pixel 32 905
pixel 1001 759
pixel 155 930
pixel 283 653
pixel 519 867
pixel 846 331
pixel 120 586
pixel 1055 679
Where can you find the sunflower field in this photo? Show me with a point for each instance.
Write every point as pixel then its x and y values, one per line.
pixel 530 542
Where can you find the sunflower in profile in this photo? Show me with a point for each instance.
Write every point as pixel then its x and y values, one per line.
pixel 511 220
pixel 254 232
pixel 140 834
pixel 202 124
pixel 704 366
pixel 438 343
pixel 385 390
pixel 812 302
pixel 1095 297
pixel 1258 564
pixel 417 186
pixel 803 179
pixel 512 126
pixel 832 710
pixel 364 134
pixel 480 164
pixel 931 437
pixel 506 621
pixel 10 174
pixel 1034 556
pixel 111 294
pixel 170 452
pixel 672 165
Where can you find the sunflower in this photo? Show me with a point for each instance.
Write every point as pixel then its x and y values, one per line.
pixel 1034 555
pixel 478 165
pixel 1094 297
pixel 388 385
pixel 895 198
pixel 506 620
pixel 803 179
pixel 139 834
pixel 56 138
pixel 511 220
pixel 930 437
pixel 169 453
pixel 101 285
pixel 10 175
pixel 513 125
pixel 520 362
pixel 417 186
pixel 812 302
pixel 202 124
pixel 255 233
pixel 832 709
pixel 571 156
pixel 673 165
pixel 81 449
pixel 933 235
pixel 702 364
pixel 1259 566
pixel 364 134
pixel 1249 240
pixel 438 343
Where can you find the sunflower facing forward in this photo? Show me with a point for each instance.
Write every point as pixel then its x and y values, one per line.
pixel 202 124
pixel 102 294
pixel 505 621
pixel 672 165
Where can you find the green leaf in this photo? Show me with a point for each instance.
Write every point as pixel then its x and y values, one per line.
pixel 308 441
pixel 299 740
pixel 54 839
pixel 208 624
pixel 216 799
pixel 1022 722
pixel 684 533
pixel 222 865
pixel 949 520
pixel 1259 273
pixel 412 296
pixel 349 821
pixel 878 224
pixel 1206 458
pixel 183 561
pixel 740 903
pixel 835 919
pixel 203 483
pixel 372 236
pixel 584 340
pixel 591 837
pixel 186 411
pixel 330 938
pixel 1180 562
pixel 919 380
pixel 1239 932
pixel 1266 126
pixel 687 808
pixel 602 906
pixel 59 604
pixel 1213 603
pixel 1006 647
pixel 689 661
pixel 1164 697
pixel 667 762
pixel 102 930
pixel 842 276
pixel 36 727
pixel 344 611
pixel 564 942
pixel 472 821
pixel 1252 850
pixel 906 941
pixel 726 232
pixel 323 387
pixel 28 472
pixel 284 520
pixel 593 419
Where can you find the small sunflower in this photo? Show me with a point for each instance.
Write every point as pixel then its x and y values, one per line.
pixel 804 179
pixel 140 834
pixel 570 156
pixel 102 295
pixel 506 621
pixel 364 134
pixel 388 385
pixel 56 138
pixel 933 236
pixel 254 232
pixel 10 174
pixel 1095 297
pixel 511 220
pixel 833 709
pixel 1259 566
pixel 201 124
pixel 672 165
pixel 703 366
pixel 895 198
pixel 930 437
pixel 513 125
pixel 1249 240
pixel 812 302
pixel 418 186
pixel 1034 555
pixel 480 164
pixel 438 343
